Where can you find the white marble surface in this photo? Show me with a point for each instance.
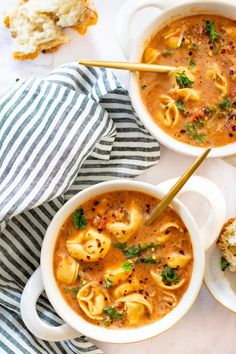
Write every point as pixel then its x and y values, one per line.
pixel 208 328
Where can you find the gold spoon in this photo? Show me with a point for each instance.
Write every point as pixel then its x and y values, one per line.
pixel 175 189
pixel 129 66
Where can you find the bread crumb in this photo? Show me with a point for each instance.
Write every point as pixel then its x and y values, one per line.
pixel 227 243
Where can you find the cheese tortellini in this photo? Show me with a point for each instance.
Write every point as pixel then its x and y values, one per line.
pixel 117 275
pixel 150 55
pixel 124 289
pixel 174 37
pixel 67 269
pixel 177 260
pixel 135 306
pixel 165 231
pixel 159 281
pixel 218 78
pixel 171 113
pixel 88 245
pixel 167 302
pixel 186 94
pixel 92 300
pixel 124 230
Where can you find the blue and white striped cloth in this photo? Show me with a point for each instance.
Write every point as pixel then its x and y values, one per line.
pixel 58 135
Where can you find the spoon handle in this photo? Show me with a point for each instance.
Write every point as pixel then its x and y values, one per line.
pixel 129 66
pixel 175 189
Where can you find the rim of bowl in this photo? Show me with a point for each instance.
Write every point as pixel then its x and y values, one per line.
pixel 135 56
pixel 119 335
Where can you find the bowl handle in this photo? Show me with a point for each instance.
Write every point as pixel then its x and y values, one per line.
pixel 33 322
pixel 208 190
pixel 126 15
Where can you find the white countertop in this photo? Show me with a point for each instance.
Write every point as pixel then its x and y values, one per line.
pixel 208 328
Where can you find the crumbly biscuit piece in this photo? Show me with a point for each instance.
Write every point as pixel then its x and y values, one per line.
pixel 227 243
pixel 38 25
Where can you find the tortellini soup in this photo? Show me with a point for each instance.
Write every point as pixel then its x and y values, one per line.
pixel 115 271
pixel 196 103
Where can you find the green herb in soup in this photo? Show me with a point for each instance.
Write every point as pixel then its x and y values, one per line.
pixel 79 219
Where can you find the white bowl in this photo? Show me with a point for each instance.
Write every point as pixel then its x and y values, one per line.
pixel 74 324
pixel 133 49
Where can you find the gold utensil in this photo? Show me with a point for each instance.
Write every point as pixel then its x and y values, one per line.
pixel 129 66
pixel 175 189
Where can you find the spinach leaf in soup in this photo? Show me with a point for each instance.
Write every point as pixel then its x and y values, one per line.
pixel 79 219
pixel 111 313
pixel 211 31
pixel 169 275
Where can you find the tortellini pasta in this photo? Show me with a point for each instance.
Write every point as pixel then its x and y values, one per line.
pixel 92 300
pixel 124 289
pixel 175 260
pixel 117 275
pixel 88 245
pixel 174 38
pixel 124 230
pixel 167 302
pixel 158 280
pixel 170 298
pixel 171 112
pixel 67 269
pixel 135 306
pixel 186 94
pixel 165 232
pixel 218 78
pixel 150 55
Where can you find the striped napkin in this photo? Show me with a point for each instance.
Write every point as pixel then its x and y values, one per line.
pixel 58 135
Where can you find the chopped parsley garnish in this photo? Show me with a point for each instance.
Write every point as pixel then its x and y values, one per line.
pixel 183 80
pixel 192 131
pixel 224 263
pixel 169 275
pixel 226 104
pixel 108 283
pixel 167 52
pixel 112 313
pixel 133 251
pixel 147 260
pixel 72 291
pixel 199 123
pixel 148 245
pixel 127 266
pixel 192 64
pixel 129 252
pixel 211 31
pixel 79 219
pixel 181 106
pixel 17 79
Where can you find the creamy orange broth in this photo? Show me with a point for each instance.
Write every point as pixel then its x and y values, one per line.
pixel 113 207
pixel 187 43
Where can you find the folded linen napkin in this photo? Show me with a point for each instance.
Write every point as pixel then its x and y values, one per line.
pixel 58 135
